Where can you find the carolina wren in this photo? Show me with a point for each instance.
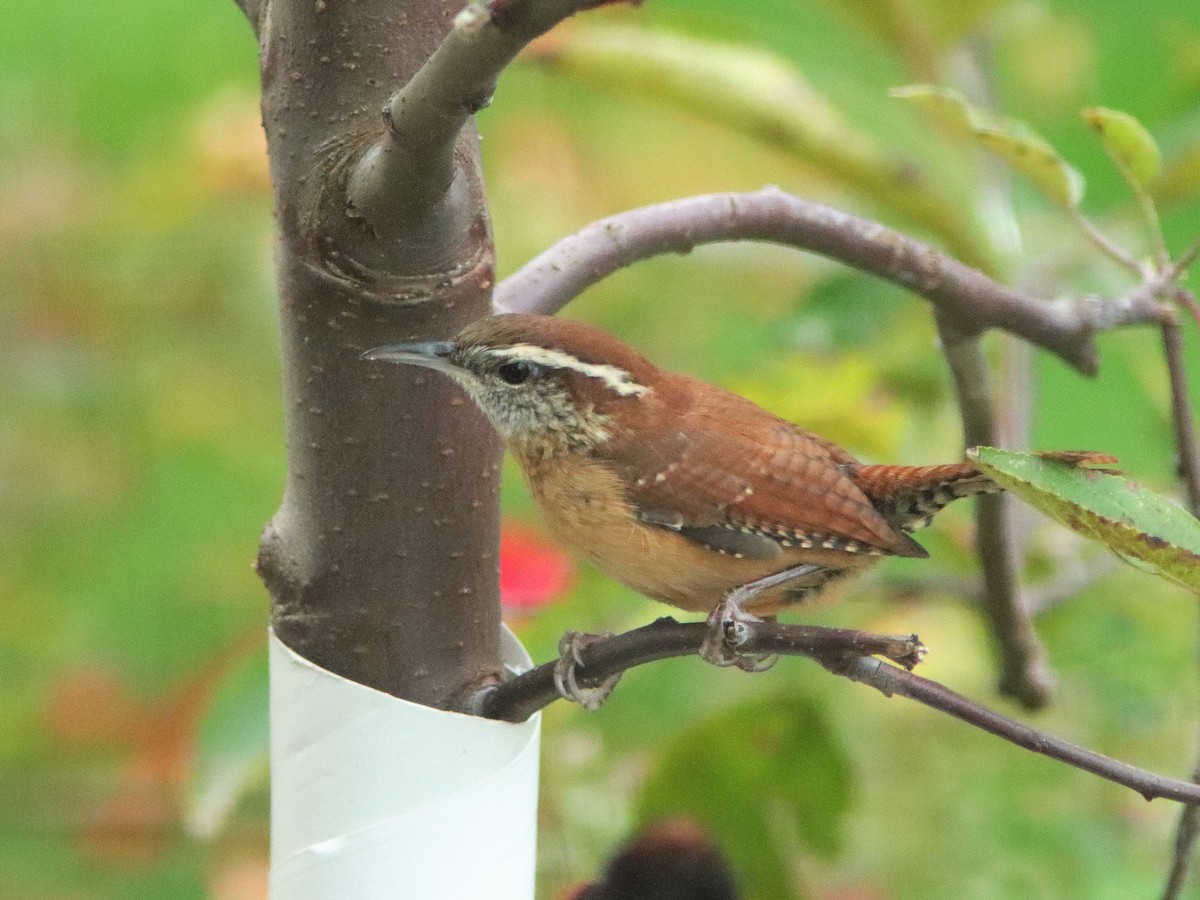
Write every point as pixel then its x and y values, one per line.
pixel 683 491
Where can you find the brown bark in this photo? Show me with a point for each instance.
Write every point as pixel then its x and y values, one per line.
pixel 381 560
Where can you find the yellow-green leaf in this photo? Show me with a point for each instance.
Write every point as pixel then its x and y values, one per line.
pixel 1011 140
pixel 1037 161
pixel 1127 141
pixel 1136 524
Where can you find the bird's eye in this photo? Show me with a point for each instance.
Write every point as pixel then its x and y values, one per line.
pixel 517 372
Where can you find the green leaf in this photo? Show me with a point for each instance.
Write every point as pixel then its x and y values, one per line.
pixel 231 746
pixel 763 776
pixel 1037 161
pixel 1127 141
pixel 1011 140
pixel 1138 525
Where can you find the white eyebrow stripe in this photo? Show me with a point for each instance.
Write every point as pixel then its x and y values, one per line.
pixel 618 380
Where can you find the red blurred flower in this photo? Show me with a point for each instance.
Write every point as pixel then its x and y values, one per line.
pixel 533 572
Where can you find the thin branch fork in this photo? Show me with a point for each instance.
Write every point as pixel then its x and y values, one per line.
pixel 850 654
pixel 413 162
pixel 965 298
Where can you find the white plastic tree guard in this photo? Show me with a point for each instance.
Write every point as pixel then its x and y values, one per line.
pixel 376 798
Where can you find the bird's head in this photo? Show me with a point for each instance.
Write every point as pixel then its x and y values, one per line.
pixel 539 379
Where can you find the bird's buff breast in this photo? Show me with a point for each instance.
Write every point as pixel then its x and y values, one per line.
pixel 586 509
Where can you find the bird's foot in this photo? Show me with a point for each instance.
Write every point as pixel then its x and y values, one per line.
pixel 727 631
pixel 729 623
pixel 564 672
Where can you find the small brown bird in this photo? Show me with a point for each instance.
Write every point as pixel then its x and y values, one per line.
pixel 685 492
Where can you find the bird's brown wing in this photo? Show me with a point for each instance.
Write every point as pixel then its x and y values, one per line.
pixel 736 478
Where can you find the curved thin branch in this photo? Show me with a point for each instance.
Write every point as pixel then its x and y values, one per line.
pixel 413 161
pixel 965 298
pixel 845 653
pixel 518 698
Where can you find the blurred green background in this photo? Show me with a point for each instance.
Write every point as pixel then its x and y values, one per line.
pixel 141 452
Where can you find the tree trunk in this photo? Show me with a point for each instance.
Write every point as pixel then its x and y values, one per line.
pixel 382 559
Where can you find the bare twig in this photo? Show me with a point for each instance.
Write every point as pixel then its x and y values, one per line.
pixel 844 653
pixel 1188 302
pixel 413 161
pixel 1182 416
pixel 968 300
pixel 1165 285
pixel 892 681
pixel 1183 263
pixel 1188 827
pixel 1024 673
pixel 1106 245
pixel 1162 256
pixel 1181 858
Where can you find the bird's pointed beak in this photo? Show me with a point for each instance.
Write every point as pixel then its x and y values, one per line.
pixel 430 355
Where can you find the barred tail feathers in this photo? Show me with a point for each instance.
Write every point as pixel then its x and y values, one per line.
pixel 909 496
